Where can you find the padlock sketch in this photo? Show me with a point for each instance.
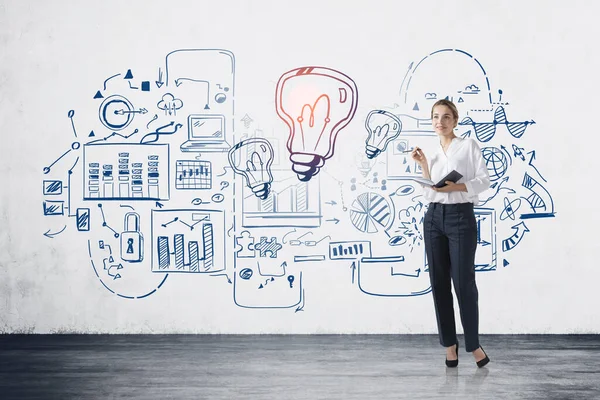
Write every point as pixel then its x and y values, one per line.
pixel 132 240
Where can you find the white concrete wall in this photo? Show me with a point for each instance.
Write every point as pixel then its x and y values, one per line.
pixel 536 269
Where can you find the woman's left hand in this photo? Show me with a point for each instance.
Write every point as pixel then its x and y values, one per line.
pixel 451 187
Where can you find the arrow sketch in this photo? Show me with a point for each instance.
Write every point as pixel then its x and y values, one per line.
pixel 51 235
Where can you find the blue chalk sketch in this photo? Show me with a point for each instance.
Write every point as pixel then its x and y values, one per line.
pixel 391 277
pixel 188 241
pixel 83 219
pixel 109 78
pixel 252 158
pixel 151 121
pixel 383 127
pixel 404 190
pixel 290 203
pixel 207 77
pixel 307 242
pixel 126 171
pixel 217 198
pixel 247 120
pixel 51 235
pixel 132 240
pixel 416 88
pixel 410 221
pixel 169 104
pixel 71 114
pixel 116 112
pixel 495 161
pixel 193 174
pixel 531 158
pixel 512 241
pixel 74 146
pixel 486 130
pixel 132 283
pixel 539 200
pixel 206 133
pixel 196 240
pixel 52 187
pixel 310 258
pixel 54 207
pixel 104 224
pixel 114 134
pixel 399 164
pixel 253 287
pixel 349 250
pixel 245 243
pixel 495 188
pixel 371 212
pixel 510 208
pixel 268 247
pixel 161 130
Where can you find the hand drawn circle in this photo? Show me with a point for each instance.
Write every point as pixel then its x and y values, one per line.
pixel 116 112
pixel 217 197
pixel 397 240
pixel 404 190
pixel 246 273
pixel 220 98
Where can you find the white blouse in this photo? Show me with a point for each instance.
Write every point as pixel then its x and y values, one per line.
pixel 463 155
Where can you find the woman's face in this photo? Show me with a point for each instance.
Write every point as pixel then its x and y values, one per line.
pixel 443 121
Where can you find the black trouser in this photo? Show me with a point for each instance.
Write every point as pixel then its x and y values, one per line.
pixel 450 232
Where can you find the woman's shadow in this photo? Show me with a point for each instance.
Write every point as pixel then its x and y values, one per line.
pixel 472 383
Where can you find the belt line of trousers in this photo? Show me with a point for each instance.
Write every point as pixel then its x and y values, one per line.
pixel 450 233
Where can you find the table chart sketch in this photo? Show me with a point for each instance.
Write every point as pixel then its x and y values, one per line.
pixel 193 174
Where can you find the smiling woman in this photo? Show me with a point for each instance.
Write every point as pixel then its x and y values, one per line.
pixel 450 230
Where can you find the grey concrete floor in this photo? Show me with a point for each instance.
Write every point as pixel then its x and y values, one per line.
pixel 294 367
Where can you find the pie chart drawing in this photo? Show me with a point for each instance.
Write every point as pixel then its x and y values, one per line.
pixel 370 212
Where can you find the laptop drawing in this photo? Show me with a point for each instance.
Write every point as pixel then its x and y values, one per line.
pixel 206 133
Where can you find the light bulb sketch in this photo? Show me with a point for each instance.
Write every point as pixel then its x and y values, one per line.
pixel 315 103
pixel 383 127
pixel 252 158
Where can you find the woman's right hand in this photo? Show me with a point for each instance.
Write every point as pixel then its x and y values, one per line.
pixel 418 155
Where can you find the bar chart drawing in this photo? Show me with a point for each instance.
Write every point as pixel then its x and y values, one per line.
pixel 349 250
pixel 126 171
pixel 290 203
pixel 195 246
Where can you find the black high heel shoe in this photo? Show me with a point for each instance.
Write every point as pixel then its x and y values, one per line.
pixel 483 362
pixel 453 363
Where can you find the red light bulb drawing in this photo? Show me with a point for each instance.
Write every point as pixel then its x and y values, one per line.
pixel 316 103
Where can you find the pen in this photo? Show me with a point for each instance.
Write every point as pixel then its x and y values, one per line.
pixel 407 151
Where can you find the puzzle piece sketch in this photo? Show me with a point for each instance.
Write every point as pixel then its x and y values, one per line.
pixel 268 246
pixel 246 242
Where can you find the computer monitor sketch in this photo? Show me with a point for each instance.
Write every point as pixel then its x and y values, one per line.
pixel 206 133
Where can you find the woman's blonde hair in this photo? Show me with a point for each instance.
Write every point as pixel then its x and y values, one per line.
pixel 448 104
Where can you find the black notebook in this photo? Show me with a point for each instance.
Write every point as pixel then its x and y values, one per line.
pixel 453 176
